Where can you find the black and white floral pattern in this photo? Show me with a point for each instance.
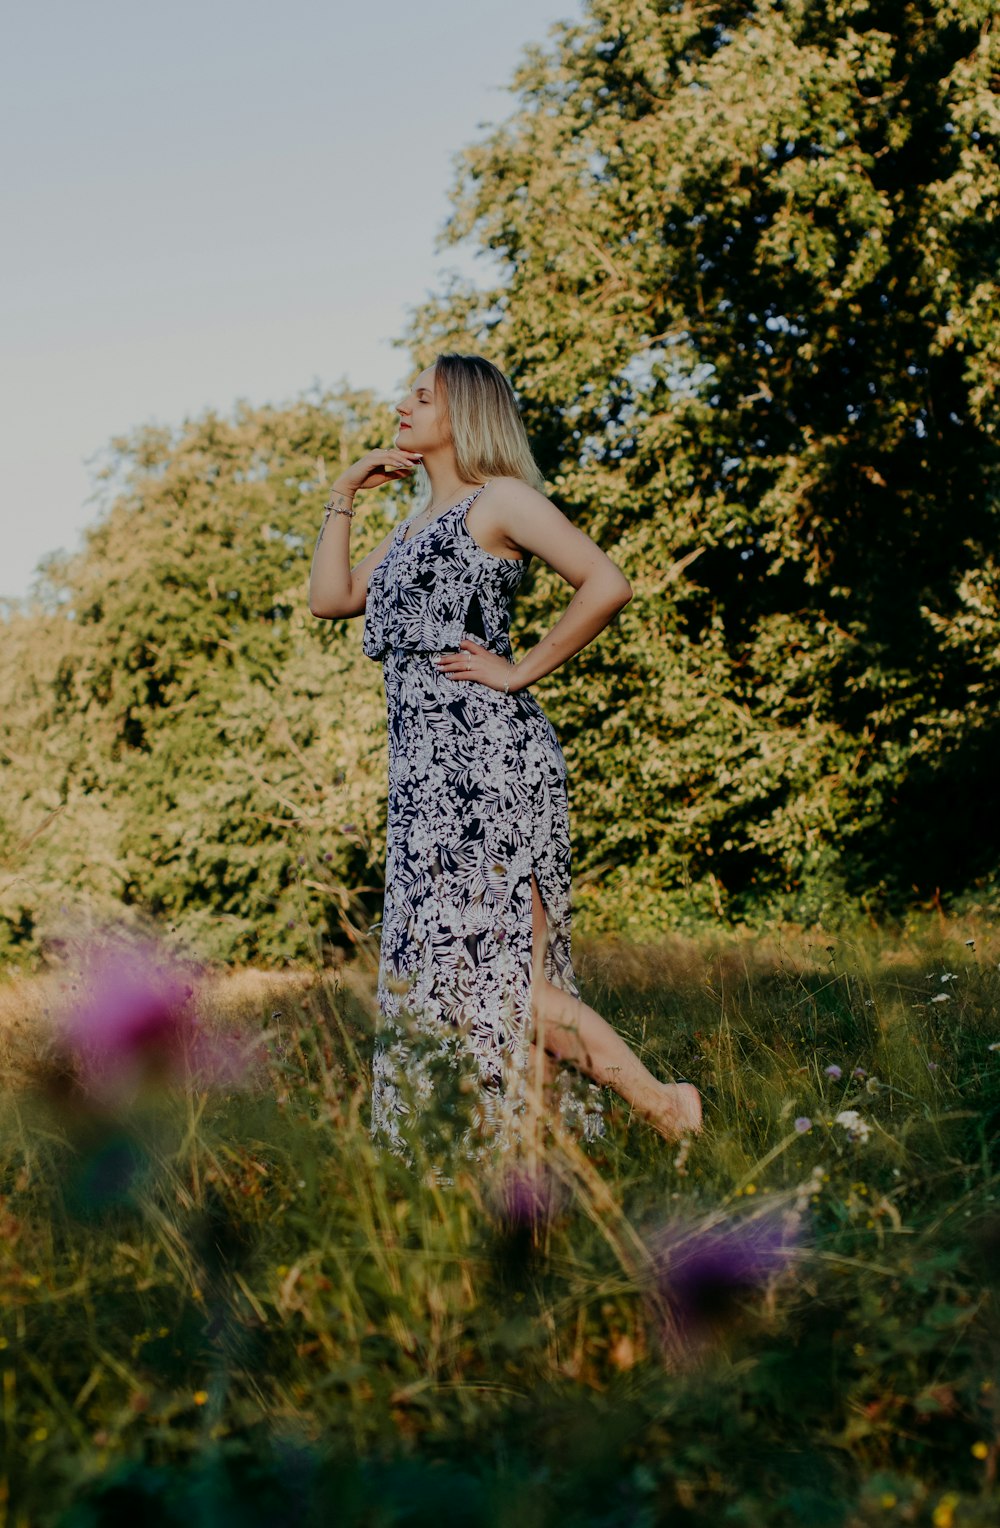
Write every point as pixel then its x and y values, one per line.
pixel 477 802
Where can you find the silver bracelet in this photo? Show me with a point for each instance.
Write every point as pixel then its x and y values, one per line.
pixel 338 509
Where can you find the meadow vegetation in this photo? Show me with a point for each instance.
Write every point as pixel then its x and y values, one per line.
pixel 221 1305
pixel 745 287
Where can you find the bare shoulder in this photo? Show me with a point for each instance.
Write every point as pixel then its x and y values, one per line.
pixel 493 518
pixel 518 521
pixel 502 517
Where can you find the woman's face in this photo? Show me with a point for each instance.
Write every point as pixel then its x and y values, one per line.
pixel 423 423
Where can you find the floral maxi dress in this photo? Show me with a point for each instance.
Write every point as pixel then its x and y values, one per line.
pixel 477 804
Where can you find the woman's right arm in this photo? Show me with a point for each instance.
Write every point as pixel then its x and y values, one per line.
pixel 335 588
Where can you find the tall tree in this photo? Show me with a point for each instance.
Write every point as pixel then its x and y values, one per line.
pixel 747 260
pixel 179 734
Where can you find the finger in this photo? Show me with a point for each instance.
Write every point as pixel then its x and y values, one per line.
pixel 468 646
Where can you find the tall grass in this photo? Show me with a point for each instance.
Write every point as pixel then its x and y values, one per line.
pixel 222 1305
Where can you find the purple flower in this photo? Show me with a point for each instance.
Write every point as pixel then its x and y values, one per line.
pixel 860 1073
pixel 833 1071
pixel 803 1123
pixel 526 1199
pixel 133 1019
pixel 701 1271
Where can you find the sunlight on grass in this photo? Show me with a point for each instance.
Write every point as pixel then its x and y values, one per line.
pixel 217 1291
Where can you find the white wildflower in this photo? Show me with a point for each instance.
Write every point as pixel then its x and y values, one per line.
pixel 940 997
pixel 857 1128
pixel 808 1189
pixel 949 976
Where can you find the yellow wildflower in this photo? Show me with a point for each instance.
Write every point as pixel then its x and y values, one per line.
pixel 944 1512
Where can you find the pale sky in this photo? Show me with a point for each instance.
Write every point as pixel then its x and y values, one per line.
pixel 220 199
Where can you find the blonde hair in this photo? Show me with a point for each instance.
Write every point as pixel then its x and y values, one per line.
pixel 487 432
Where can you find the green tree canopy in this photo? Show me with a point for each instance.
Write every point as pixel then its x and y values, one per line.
pixel 747 261
pixel 180 735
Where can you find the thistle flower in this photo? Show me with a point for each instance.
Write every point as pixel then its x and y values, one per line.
pixel 833 1071
pixel 803 1123
pixel 701 1271
pixel 526 1199
pixel 133 1020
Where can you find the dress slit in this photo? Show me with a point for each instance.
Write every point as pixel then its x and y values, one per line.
pixel 477 811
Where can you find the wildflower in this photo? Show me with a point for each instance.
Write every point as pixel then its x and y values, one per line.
pixel 133 1017
pixel 949 976
pixel 803 1123
pixel 943 1515
pixel 809 1190
pixel 200 1397
pixel 526 1199
pixel 932 1066
pixel 702 1270
pixel 995 1046
pixel 860 1073
pixel 940 997
pixel 134 1020
pixel 833 1071
pixel 980 1450
pixel 858 1129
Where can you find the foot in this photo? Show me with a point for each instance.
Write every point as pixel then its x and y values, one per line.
pixel 678 1111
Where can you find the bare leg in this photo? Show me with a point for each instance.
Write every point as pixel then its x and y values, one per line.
pixel 571 1031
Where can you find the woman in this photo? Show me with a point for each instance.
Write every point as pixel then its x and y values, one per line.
pixel 475 957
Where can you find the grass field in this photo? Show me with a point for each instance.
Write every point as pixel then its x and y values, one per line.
pixel 221 1306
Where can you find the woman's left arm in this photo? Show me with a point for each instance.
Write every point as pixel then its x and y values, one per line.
pixel 527 519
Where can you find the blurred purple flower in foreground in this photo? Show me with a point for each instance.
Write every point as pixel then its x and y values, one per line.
pixel 833 1071
pixel 701 1271
pixel 803 1123
pixel 133 1020
pixel 527 1199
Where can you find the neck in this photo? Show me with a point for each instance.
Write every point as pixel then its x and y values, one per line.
pixel 446 485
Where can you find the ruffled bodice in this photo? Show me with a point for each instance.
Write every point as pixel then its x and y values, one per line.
pixel 433 588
